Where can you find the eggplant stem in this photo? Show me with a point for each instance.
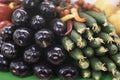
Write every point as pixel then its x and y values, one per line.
pixel 68 75
pixel 44 44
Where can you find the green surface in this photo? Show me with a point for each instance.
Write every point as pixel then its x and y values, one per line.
pixel 9 76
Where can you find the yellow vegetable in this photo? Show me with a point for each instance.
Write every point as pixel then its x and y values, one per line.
pixel 105 6
pixel 111 10
pixel 115 20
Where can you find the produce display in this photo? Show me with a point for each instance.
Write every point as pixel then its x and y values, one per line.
pixel 57 38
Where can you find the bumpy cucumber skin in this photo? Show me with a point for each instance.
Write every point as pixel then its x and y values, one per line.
pixel 84 64
pixel 76 54
pixel 100 17
pixel 112 48
pixel 106 37
pixel 88 51
pixel 96 64
pixel 108 29
pixel 116 59
pixel 86 73
pixel 90 21
pixel 100 51
pixel 95 44
pixel 67 43
pixel 79 27
pixel 111 66
pixel 74 36
pixel 96 75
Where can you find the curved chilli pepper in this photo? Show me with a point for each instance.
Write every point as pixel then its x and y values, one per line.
pixel 74 12
pixel 67 17
pixel 69 27
pixel 4 23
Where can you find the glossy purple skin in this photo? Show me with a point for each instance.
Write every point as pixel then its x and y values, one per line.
pixel 44 38
pixel 43 72
pixel 3 63
pixel 32 54
pixel 22 36
pixel 30 4
pixel 18 68
pixel 47 9
pixel 58 27
pixel 20 17
pixel 9 50
pixel 68 73
pixel 1 42
pixel 56 55
pixel 37 22
pixel 7 32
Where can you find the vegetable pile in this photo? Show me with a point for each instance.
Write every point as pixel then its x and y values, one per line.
pixel 51 38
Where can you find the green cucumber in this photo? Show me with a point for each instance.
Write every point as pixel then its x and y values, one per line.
pixel 96 75
pixel 79 27
pixel 112 48
pixel 84 43
pixel 110 29
pixel 111 66
pixel 106 37
pixel 89 34
pixel 84 64
pixel 116 75
pixel 77 54
pixel 97 65
pixel 86 73
pixel 101 51
pixel 76 37
pixel 118 47
pixel 90 21
pixel 100 17
pixel 67 43
pixel 88 51
pixel 116 59
pixel 96 42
